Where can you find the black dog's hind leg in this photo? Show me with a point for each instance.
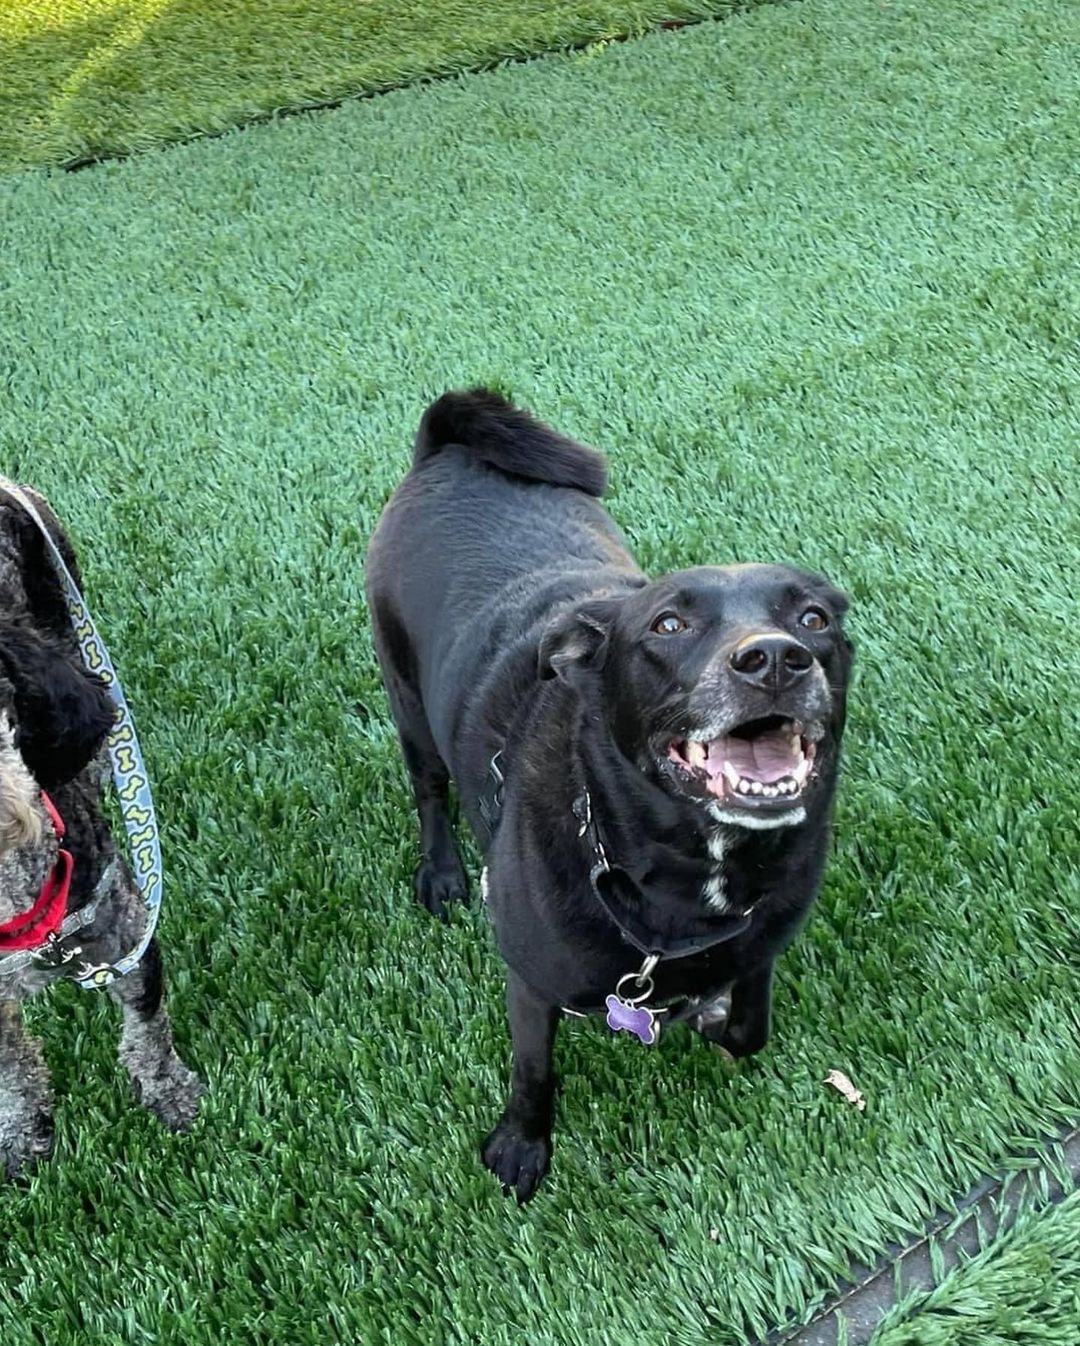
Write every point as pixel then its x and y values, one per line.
pixel 439 878
pixel 518 1151
pixel 162 1082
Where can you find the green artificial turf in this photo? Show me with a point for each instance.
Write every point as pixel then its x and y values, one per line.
pixel 1022 1291
pixel 83 79
pixel 811 277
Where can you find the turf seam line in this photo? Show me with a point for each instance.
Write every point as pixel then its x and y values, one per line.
pixel 987 1209
pixel 85 161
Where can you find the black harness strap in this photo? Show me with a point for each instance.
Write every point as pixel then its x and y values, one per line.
pixel 490 800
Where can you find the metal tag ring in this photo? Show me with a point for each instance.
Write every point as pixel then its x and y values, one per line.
pixel 642 978
pixel 646 982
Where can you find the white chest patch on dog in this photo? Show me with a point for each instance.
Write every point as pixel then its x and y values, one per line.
pixel 715 890
pixel 761 823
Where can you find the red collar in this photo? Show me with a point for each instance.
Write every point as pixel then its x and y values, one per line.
pixel 30 929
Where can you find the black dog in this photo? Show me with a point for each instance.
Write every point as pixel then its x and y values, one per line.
pixel 649 766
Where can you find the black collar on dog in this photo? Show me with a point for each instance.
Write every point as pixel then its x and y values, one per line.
pixel 704 935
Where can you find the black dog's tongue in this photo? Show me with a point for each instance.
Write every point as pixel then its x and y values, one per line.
pixel 773 755
pixel 768 758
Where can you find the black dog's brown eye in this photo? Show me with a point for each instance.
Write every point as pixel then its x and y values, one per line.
pixel 668 625
pixel 814 619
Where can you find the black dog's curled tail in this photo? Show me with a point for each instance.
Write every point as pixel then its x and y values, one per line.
pixel 501 435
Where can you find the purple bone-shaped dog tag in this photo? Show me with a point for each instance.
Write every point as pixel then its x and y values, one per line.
pixel 636 1019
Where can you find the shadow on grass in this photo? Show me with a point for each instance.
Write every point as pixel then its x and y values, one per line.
pixel 151 72
pixel 29 96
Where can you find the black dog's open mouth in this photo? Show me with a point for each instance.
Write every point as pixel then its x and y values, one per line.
pixel 762 765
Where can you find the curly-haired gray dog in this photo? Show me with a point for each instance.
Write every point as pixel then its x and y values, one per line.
pixel 60 874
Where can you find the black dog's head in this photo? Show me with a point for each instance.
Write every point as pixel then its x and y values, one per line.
pixel 726 685
pixel 54 717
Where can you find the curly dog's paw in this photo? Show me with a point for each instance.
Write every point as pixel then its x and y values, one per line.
pixel 26 1139
pixel 172 1095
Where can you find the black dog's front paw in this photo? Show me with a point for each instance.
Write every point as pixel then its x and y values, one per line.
pixel 743 1038
pixel 438 886
pixel 748 1025
pixel 517 1161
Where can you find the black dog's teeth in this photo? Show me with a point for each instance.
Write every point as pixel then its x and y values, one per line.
pixel 787 785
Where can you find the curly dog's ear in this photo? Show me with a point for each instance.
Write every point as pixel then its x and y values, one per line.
pixel 63 712
pixel 22 822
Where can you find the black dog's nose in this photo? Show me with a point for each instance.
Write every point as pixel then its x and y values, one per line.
pixel 771 661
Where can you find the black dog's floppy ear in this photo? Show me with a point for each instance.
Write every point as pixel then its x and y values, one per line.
pixel 63 711
pixel 838 603
pixel 827 592
pixel 577 639
pixel 836 599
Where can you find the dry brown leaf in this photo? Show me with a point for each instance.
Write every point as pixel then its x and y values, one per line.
pixel 840 1081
